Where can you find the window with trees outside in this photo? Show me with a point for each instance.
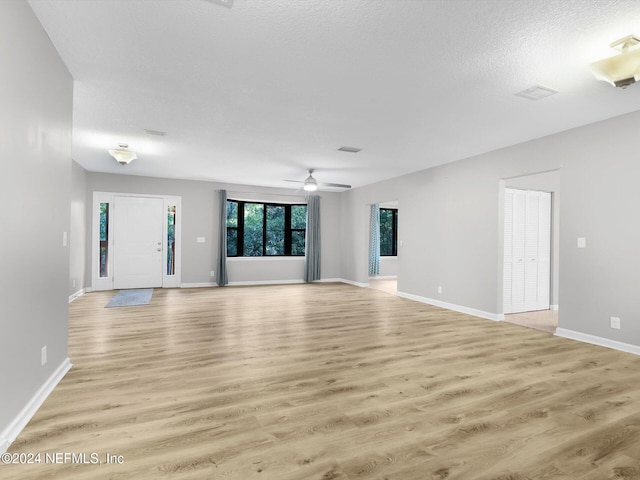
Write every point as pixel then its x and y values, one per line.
pixel 265 229
pixel 388 232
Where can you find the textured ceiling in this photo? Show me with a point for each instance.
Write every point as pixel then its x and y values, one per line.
pixel 263 90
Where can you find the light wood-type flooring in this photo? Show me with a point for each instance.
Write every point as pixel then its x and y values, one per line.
pixel 389 285
pixel 545 320
pixel 326 382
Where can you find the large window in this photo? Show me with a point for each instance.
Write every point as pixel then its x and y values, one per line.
pixel 265 229
pixel 388 232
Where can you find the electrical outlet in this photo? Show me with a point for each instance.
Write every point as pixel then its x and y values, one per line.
pixel 212 273
pixel 439 288
pixel 614 322
pixel 43 355
pixel 73 282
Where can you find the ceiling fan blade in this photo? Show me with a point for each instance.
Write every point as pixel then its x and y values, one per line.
pixel 293 181
pixel 336 185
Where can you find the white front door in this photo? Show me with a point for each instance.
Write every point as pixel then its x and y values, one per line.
pixel 138 242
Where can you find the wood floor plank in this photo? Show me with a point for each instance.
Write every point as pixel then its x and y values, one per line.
pixel 329 381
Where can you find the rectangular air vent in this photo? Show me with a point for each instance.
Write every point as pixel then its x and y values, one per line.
pixel 224 3
pixel 349 149
pixel 157 133
pixel 537 92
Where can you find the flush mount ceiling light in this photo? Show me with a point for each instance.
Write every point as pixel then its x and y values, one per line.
pixel 122 155
pixel 620 70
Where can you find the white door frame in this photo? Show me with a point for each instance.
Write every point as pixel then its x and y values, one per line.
pixel 106 283
pixel 533 264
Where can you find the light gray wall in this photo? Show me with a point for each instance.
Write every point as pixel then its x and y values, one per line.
pixel 547 182
pixel 388 266
pixel 78 229
pixel 451 233
pixel 199 219
pixel 36 94
pixel 600 197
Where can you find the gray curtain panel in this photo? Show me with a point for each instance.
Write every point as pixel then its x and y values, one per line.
pixel 312 240
pixel 221 269
pixel 374 241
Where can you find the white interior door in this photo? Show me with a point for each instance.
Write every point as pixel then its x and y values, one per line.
pixel 527 250
pixel 138 242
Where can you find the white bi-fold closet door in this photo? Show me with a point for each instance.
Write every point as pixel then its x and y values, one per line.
pixel 527 250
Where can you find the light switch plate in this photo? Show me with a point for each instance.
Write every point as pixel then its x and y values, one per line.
pixel 582 242
pixel 200 239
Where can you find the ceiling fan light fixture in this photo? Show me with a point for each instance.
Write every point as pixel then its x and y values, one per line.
pixel 310 184
pixel 623 69
pixel 122 155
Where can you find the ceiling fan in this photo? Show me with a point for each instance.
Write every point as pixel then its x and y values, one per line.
pixel 311 184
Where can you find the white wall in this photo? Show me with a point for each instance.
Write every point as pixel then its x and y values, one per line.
pixel 36 94
pixel 451 230
pixel 199 219
pixel 78 230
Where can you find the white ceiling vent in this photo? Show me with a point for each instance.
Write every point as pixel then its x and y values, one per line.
pixel 157 133
pixel 224 3
pixel 537 92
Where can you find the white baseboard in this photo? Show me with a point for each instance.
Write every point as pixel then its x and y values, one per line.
pixel 265 282
pixel 278 282
pixel 241 284
pixel 357 284
pixel 554 307
pixel 600 341
pixel 9 434
pixel 383 277
pixel 452 306
pixel 78 294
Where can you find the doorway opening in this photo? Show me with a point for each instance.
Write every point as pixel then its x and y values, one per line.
pixel 383 247
pixel 529 293
pixel 135 241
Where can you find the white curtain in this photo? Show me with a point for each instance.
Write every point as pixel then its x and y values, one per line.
pixel 374 241
pixel 312 240
pixel 221 269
